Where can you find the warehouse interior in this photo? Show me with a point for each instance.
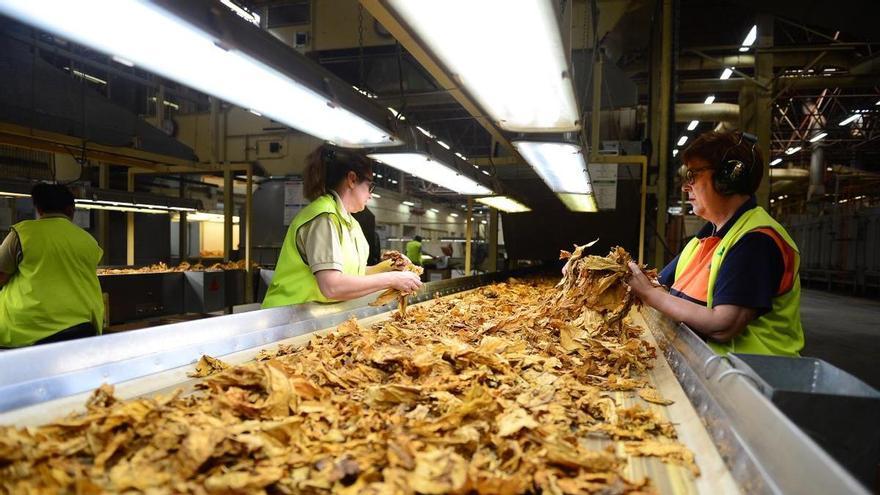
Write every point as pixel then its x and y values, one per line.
pixel 499 133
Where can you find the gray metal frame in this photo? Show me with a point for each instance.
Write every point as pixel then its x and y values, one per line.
pixel 764 450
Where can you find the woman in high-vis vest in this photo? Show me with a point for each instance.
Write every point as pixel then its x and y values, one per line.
pixel 324 254
pixel 736 282
pixel 48 270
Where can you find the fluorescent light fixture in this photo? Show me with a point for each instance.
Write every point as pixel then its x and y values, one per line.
pixel 504 203
pixel 525 85
pixel 750 39
pixel 726 73
pixel 435 210
pixel 251 17
pixel 674 152
pixel 453 215
pixel 205 217
pixel 258 114
pixel 14 194
pixel 174 40
pixel 426 133
pixel 461 156
pixel 776 162
pixel 393 181
pixel 397 115
pixel 167 103
pixel 583 203
pixel 792 151
pixel 441 143
pixel 422 165
pixel 878 103
pixel 130 209
pixel 87 77
pixel 485 172
pixel 818 137
pixel 374 195
pixel 709 100
pixel 560 165
pixel 120 60
pixel 483 222
pixel 849 119
pixel 408 203
pixel 682 140
pixel 693 125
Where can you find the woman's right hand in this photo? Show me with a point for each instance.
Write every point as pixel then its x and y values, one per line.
pixel 404 281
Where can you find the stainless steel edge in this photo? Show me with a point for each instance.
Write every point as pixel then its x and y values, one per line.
pixel 764 450
pixel 37 374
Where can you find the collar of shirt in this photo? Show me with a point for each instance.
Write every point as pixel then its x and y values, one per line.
pixel 345 213
pixel 708 230
pixel 54 215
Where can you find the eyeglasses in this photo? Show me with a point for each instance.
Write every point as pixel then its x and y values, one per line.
pixel 372 185
pixel 689 175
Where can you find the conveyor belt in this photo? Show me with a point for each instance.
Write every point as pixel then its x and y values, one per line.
pixel 60 380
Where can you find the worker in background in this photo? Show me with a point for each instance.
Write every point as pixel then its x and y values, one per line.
pixel 49 275
pixel 736 282
pixel 414 250
pixel 324 254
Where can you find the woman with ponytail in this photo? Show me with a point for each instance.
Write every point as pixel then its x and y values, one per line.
pixel 324 255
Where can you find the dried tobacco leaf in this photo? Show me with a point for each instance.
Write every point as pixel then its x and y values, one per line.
pixel 651 395
pixel 207 366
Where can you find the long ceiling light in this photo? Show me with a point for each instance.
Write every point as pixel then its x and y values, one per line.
pixel 850 119
pixel 750 39
pixel 709 100
pixel 214 51
pixel 504 203
pixel 508 54
pixel 818 137
pixel 425 166
pixel 563 168
pixel 427 159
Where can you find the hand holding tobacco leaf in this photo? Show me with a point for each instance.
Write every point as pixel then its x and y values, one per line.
pixel 396 261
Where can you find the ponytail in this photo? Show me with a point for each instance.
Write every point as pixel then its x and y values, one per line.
pixel 328 166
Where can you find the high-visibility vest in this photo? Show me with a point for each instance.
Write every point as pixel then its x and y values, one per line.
pixel 294 282
pixel 777 332
pixel 56 285
pixel 414 252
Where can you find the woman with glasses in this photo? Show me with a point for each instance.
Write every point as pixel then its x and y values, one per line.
pixel 736 282
pixel 324 254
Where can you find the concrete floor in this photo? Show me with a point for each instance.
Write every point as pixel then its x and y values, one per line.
pixel 843 330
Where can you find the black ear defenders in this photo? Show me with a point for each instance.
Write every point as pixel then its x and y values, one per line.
pixel 735 176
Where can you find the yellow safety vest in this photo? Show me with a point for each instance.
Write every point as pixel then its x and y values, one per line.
pixel 777 332
pixel 414 252
pixel 56 286
pixel 294 282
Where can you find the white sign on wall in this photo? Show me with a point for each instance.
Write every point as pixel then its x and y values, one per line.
pixel 603 177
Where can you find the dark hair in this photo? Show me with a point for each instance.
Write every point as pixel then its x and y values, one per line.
pixel 52 198
pixel 713 147
pixel 417 238
pixel 328 166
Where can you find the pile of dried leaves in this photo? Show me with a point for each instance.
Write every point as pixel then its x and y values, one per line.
pixel 510 388
pixel 184 266
pixel 399 262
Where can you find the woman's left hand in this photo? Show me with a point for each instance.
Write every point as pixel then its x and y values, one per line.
pixel 639 282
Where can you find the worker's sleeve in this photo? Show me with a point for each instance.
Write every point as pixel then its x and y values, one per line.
pixel 319 244
pixel 667 275
pixel 751 273
pixel 10 253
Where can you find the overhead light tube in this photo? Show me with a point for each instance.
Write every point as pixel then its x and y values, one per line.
pixel 509 56
pixel 213 51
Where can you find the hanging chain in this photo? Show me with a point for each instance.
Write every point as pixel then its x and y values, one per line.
pixel 361 45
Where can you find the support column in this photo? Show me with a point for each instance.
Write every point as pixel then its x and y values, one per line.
pixel 248 219
pixel 596 107
pixel 764 100
pixel 227 213
pixel 493 239
pixel 103 215
pixel 662 122
pixel 468 235
pixel 129 226
pixel 182 226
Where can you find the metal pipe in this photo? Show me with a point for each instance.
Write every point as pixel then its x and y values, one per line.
pixel 817 172
pixel 663 151
pixel 596 109
pixel 227 213
pixel 104 215
pixel 714 112
pixel 129 226
pixel 493 239
pixel 248 228
pixel 469 229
